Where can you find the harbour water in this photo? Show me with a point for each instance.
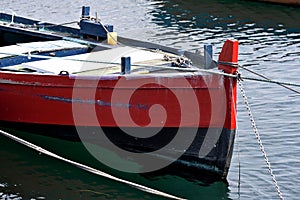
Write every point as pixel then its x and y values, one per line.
pixel 269 37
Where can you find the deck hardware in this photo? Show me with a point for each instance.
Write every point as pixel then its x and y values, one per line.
pixel 208 52
pixel 125 65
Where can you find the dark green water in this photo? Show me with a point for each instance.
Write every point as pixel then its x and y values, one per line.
pixel 269 37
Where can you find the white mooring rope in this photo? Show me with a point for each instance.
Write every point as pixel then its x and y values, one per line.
pixel 258 139
pixel 87 168
pixel 268 80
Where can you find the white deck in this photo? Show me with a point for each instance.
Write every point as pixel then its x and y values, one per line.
pixel 96 63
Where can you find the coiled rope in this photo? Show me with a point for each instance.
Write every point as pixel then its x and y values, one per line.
pixel 87 168
pixel 261 146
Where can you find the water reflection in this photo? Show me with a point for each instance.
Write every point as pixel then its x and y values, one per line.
pixel 266 33
pixel 225 14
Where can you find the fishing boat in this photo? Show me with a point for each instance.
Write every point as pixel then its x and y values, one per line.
pixel 155 106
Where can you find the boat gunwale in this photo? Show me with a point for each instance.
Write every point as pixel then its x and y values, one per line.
pixel 76 81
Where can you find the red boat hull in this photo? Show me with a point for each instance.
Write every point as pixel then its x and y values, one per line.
pixel 196 104
pixel 195 101
pixel 192 115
